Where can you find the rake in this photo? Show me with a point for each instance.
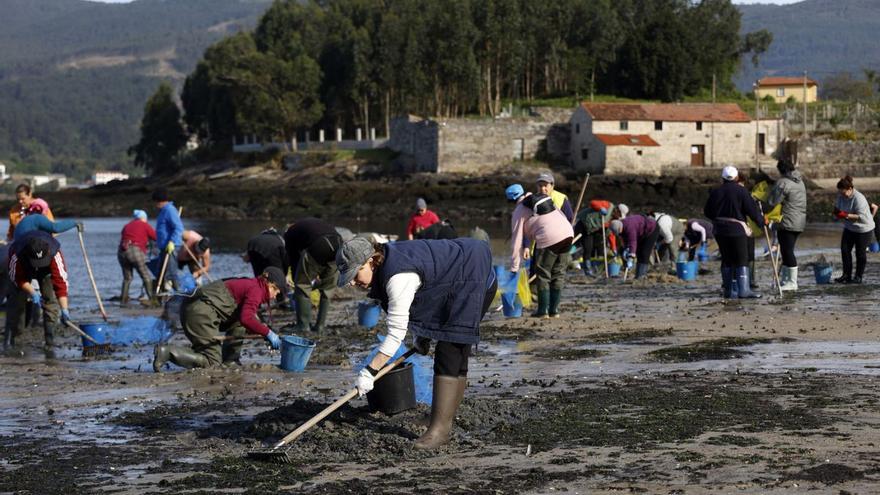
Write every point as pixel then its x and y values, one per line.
pixel 277 456
pixel 97 348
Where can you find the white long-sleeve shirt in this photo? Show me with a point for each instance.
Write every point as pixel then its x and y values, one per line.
pixel 401 290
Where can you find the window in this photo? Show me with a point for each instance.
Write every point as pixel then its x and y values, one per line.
pixel 624 125
pixel 658 125
pixel 577 128
pixel 585 153
pixel 780 91
pixel 639 152
pixel 699 126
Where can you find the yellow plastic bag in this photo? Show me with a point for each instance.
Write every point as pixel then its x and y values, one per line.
pixel 522 289
pixel 761 192
pixel 315 297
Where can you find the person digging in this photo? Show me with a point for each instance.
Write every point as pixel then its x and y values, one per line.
pixel 311 254
pixel 438 289
pixel 223 307
pixel 132 256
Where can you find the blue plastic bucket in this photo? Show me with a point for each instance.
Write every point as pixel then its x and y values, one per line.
pixel 686 270
pixel 368 314
pixel 613 269
pixel 874 247
pixel 295 352
pixel 511 305
pixel 101 332
pixel 506 279
pixel 823 274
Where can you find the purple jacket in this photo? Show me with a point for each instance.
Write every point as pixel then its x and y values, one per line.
pixel 634 228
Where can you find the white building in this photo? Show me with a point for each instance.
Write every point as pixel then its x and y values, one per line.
pixel 624 138
pixel 104 177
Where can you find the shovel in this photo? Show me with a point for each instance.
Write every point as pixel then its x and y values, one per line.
pixel 280 456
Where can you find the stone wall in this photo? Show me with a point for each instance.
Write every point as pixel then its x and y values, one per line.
pixel 417 141
pixel 468 145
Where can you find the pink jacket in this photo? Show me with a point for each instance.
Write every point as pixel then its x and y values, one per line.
pixel 545 230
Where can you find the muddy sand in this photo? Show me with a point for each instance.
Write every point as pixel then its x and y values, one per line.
pixel 640 387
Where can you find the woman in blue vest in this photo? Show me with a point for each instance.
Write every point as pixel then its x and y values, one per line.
pixel 439 289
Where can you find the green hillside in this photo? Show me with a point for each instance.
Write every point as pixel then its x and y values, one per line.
pixel 74 75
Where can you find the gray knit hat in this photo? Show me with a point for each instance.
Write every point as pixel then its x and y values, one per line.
pixel 616 227
pixel 350 257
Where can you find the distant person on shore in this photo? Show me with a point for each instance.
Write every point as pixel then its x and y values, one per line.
pixel 791 193
pixel 194 244
pixel 638 234
pixel 858 229
pixel 36 256
pixel 311 246
pixel 25 197
pixel 223 308
pixel 35 219
pixel 169 235
pixel 421 219
pixel 265 250
pixel 132 254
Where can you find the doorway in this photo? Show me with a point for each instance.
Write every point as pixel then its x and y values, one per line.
pixel 762 146
pixel 698 155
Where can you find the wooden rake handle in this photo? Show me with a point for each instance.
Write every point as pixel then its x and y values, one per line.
pixel 196 260
pixel 82 245
pixel 339 403
pixel 240 337
pixel 78 329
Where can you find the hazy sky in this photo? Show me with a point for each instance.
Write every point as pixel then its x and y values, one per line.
pixel 734 1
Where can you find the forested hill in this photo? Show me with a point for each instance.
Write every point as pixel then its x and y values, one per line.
pixel 825 37
pixel 74 75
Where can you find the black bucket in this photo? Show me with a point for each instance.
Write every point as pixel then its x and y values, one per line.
pixel 395 392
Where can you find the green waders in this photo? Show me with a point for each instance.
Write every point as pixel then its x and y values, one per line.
pixel 550 268
pixel 15 313
pixel 324 278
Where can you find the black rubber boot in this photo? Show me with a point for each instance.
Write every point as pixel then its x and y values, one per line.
pixel 303 311
pixel 123 295
pixel 184 357
pixel 231 355
pixel 641 269
pixel 553 306
pixel 151 294
pixel 448 394
pixel 323 308
pixel 8 339
pixel 48 333
pixel 543 304
pixel 753 283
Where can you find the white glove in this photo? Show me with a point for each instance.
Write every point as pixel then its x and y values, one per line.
pixel 364 382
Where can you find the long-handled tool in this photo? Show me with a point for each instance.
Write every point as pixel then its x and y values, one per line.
pixel 280 456
pixel 99 348
pixel 604 250
pixel 162 274
pixel 580 198
pixel 249 336
pixel 198 263
pixel 772 258
pixel 82 244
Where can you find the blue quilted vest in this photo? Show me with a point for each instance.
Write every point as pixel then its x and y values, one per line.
pixel 455 275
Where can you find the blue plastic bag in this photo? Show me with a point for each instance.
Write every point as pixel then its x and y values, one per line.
pixel 423 370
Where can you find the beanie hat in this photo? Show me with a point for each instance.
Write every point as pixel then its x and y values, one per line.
pixel 139 214
pixel 275 276
pixel 616 227
pixel 514 191
pixel 421 204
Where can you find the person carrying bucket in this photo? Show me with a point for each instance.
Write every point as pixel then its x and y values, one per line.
pixel 858 228
pixel 265 250
pixel 132 254
pixel 589 223
pixel 36 256
pixel 697 234
pixel 169 235
pixel 639 234
pixel 223 307
pixel 311 246
pixel 791 193
pixel 728 207
pixel 438 289
pixel 537 219
pixel 195 244
pixel 35 219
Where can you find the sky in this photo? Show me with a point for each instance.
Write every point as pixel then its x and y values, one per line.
pixel 779 2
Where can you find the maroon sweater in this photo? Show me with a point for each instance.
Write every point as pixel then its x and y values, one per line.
pixel 249 294
pixel 138 233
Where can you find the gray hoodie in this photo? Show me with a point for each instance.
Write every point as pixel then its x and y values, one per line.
pixel 791 192
pixel 859 205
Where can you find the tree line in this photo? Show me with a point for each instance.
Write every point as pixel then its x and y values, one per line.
pixel 358 63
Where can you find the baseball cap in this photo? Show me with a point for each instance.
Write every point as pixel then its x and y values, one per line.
pixel 514 191
pixel 350 257
pixel 546 177
pixel 729 173
pixel 276 276
pixel 37 252
pixel 616 226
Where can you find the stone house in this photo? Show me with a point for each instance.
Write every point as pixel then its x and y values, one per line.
pixel 625 138
pixel 783 88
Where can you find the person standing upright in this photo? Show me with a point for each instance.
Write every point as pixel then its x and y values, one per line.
pixel 789 191
pixel 858 229
pixel 421 219
pixel 132 254
pixel 169 234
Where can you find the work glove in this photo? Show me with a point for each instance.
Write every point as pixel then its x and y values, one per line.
pixel 273 339
pixel 422 345
pixel 841 215
pixel 65 316
pixel 626 253
pixel 37 300
pixel 629 261
pixel 169 248
pixel 80 227
pixel 364 382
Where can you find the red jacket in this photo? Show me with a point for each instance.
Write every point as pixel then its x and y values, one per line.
pixel 137 233
pixel 21 274
pixel 249 294
pixel 418 222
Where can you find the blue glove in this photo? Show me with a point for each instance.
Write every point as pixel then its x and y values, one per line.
pixel 626 253
pixel 704 250
pixel 274 339
pixel 65 316
pixel 37 300
pixel 629 262
pixel 603 211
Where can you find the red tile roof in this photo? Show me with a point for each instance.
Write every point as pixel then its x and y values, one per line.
pixel 626 140
pixel 785 81
pixel 670 112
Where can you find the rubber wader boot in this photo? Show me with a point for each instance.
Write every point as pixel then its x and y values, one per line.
pixel 553 307
pixel 448 393
pixel 742 282
pixel 753 282
pixel 789 278
pixel 151 294
pixel 49 333
pixel 641 269
pixel 8 338
pixel 231 355
pixel 728 283
pixel 588 269
pixel 184 357
pixel 123 296
pixel 543 303
pixel 323 308
pixel 303 311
